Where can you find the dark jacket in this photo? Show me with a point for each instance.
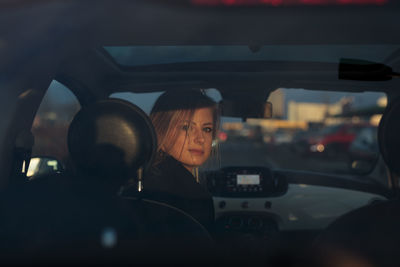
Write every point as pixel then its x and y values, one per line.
pixel 170 182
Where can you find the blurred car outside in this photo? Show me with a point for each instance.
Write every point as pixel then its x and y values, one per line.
pixel 364 148
pixel 256 134
pixel 301 140
pixel 334 140
pixel 281 137
pixel 245 133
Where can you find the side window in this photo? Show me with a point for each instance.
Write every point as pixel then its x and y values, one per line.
pixel 50 126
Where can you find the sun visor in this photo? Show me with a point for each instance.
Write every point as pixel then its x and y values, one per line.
pixel 363 70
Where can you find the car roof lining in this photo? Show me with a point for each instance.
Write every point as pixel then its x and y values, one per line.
pixel 121 22
pixel 103 76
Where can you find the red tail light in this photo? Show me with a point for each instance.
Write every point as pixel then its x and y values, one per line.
pixel 286 2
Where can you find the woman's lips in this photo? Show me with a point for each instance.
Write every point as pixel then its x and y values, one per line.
pixel 196 151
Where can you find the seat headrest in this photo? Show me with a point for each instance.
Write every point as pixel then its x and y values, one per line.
pixel 389 136
pixel 111 138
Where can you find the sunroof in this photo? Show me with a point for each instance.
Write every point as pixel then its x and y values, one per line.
pixel 150 55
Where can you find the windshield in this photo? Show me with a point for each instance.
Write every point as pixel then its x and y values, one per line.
pixel 330 129
pixel 309 131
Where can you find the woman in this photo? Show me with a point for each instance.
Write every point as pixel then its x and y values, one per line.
pixel 186 123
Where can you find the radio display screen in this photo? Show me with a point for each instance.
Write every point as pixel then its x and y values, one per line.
pixel 248 179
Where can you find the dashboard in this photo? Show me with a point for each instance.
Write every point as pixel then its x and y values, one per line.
pixel 265 202
pixel 240 194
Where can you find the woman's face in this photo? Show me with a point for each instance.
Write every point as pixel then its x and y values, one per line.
pixel 194 139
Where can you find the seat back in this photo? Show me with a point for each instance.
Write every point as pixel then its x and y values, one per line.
pixel 369 236
pixel 79 217
pixel 111 139
pixel 388 136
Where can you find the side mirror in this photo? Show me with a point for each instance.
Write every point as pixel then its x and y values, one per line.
pixel 362 166
pixel 40 166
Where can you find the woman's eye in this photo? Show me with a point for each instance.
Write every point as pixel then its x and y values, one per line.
pixel 208 129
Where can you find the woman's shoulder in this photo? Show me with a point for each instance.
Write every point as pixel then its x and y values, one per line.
pixel 168 167
pixel 162 176
pixel 171 177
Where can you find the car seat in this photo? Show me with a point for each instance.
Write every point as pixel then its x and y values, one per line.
pixel 369 236
pixel 78 217
pixel 114 140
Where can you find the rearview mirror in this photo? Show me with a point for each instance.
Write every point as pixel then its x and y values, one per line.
pixel 242 109
pixel 40 166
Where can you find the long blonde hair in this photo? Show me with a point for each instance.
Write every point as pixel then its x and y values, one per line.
pixel 171 108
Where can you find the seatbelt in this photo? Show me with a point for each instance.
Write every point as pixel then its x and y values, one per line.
pixel 22 155
pixel 140 179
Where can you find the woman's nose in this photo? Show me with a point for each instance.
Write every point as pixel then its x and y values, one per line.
pixel 198 136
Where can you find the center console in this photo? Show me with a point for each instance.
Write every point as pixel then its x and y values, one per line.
pixel 244 182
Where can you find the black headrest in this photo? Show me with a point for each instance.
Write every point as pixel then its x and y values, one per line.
pixel 389 136
pixel 111 138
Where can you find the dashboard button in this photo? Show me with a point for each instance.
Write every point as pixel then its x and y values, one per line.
pixel 267 204
pixel 235 222
pixel 245 204
pixel 255 223
pixel 222 204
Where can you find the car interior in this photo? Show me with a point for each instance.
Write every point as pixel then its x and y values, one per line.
pixel 305 167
